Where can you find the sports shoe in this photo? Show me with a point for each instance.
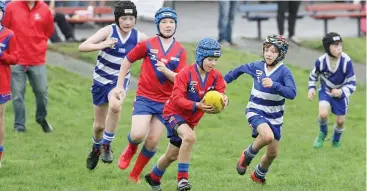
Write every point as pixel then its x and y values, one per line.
pixel 156 186
pixel 257 180
pixel 319 141
pixel 107 154
pixel 126 156
pixel 242 164
pixel 93 158
pixel 46 127
pixel 183 185
pixel 336 144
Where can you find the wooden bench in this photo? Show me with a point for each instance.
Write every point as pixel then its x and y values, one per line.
pixel 96 10
pixel 327 11
pixel 263 12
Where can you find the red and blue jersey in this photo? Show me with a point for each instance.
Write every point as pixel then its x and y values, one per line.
pixel 8 56
pixel 153 84
pixel 190 88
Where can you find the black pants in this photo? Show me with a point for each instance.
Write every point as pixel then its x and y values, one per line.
pixel 65 27
pixel 292 8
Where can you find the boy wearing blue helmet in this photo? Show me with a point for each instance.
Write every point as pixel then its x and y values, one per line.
pixel 8 56
pixel 184 110
pixel 273 82
pixel 163 58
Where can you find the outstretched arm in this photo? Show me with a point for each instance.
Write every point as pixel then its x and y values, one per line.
pixel 237 72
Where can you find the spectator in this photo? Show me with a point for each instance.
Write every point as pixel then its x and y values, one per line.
pixel 62 23
pixel 225 21
pixel 32 24
pixel 292 8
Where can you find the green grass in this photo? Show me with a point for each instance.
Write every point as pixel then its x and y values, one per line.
pixel 56 161
pixel 353 46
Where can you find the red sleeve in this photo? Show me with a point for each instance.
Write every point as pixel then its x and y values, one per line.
pixel 49 28
pixel 179 92
pixel 183 62
pixel 138 52
pixel 7 18
pixel 10 56
pixel 220 86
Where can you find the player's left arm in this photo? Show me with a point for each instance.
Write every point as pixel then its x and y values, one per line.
pixel 49 24
pixel 289 89
pixel 10 55
pixel 221 87
pixel 349 85
pixel 172 74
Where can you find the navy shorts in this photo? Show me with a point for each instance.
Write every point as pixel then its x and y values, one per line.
pixel 4 98
pixel 100 92
pixel 339 106
pixel 255 120
pixel 146 106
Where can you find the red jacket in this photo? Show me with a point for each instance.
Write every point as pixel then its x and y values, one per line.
pixel 8 52
pixel 32 28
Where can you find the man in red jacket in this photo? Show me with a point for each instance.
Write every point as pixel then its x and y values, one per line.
pixel 32 24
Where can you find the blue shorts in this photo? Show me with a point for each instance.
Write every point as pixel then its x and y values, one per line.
pixel 4 98
pixel 339 106
pixel 146 106
pixel 256 120
pixel 100 92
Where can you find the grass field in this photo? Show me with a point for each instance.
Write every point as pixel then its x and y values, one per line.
pixel 56 161
pixel 353 46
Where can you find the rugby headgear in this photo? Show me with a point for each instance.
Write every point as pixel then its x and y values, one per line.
pixel 280 43
pixel 330 38
pixel 124 8
pixel 207 47
pixel 163 13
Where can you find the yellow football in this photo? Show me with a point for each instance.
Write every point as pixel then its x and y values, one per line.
pixel 215 99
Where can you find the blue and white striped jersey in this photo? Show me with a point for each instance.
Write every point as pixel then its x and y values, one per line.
pixel 109 59
pixel 340 77
pixel 267 102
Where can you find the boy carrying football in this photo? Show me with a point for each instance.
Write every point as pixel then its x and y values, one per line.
pixel 273 82
pixel 338 82
pixel 184 110
pixel 8 56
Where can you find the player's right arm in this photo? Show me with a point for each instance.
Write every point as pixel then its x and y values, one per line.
pixel 312 80
pixel 237 72
pixel 98 41
pixel 179 95
pixel 10 54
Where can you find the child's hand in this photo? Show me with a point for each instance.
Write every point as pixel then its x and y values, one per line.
pixel 161 66
pixel 267 82
pixel 336 92
pixel 226 100
pixel 311 94
pixel 203 107
pixel 109 43
pixel 118 93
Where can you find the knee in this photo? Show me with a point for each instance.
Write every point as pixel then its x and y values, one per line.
pixel 99 127
pixel 189 138
pixel 114 108
pixel 323 115
pixel 267 137
pixel 137 136
pixel 339 122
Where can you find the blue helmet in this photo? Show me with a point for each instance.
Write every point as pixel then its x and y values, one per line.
pixel 207 47
pixel 2 7
pixel 280 43
pixel 163 13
